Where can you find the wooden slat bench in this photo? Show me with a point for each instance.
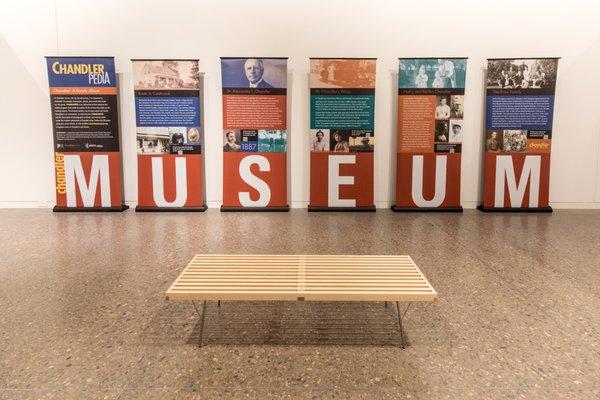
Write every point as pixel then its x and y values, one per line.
pixel 302 278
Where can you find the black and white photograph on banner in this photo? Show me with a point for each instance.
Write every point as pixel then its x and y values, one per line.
pixel 339 140
pixel 258 73
pixel 361 140
pixel 493 141
pixel 522 74
pixel 441 131
pixel 442 108
pixel 457 106
pixel 456 131
pixel 514 141
pixel 153 140
pixel 319 140
pixel 166 75
pixel 231 140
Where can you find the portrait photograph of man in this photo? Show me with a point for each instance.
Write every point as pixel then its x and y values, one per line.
pixel 457 106
pixel 493 141
pixel 254 73
pixel 232 140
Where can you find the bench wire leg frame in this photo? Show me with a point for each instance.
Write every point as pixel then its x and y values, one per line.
pixel 201 316
pixel 400 317
pixel 201 319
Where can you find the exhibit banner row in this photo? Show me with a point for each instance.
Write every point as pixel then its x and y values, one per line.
pixel 168 96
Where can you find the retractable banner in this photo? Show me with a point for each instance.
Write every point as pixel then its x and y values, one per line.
pixel 254 134
pixel 342 135
pixel 85 121
pixel 169 134
pixel 519 112
pixel 431 98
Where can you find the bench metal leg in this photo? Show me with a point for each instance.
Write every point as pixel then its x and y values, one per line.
pixel 218 303
pixel 386 304
pixel 201 319
pixel 400 317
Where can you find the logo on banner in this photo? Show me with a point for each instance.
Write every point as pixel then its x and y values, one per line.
pixel 87 180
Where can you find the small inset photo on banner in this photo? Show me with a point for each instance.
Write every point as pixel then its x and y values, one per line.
pixel 441 132
pixel 153 140
pixel 319 140
pixel 259 73
pixel 177 136
pixel 442 107
pixel 514 141
pixel 456 131
pixel 493 141
pixel 338 140
pixel 231 140
pixel 166 74
pixel 457 106
pixel 522 74
pixel 249 140
pixel 193 136
pixel 272 140
pixel 361 140
pixel 338 73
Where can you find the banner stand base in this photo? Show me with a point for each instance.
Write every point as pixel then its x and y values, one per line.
pixel 201 208
pixel 341 209
pixel 90 209
pixel 515 209
pixel 458 209
pixel 254 209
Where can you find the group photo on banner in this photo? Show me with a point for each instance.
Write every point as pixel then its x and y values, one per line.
pixel 85 123
pixel 254 91
pixel 518 134
pixel 431 99
pixel 342 134
pixel 169 135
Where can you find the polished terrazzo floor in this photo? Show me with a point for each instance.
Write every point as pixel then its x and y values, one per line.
pixel 84 316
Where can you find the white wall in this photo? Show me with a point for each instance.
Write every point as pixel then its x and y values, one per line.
pixel 30 29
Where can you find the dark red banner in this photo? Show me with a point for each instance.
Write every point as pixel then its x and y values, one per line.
pixel 254 133
pixel 430 133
